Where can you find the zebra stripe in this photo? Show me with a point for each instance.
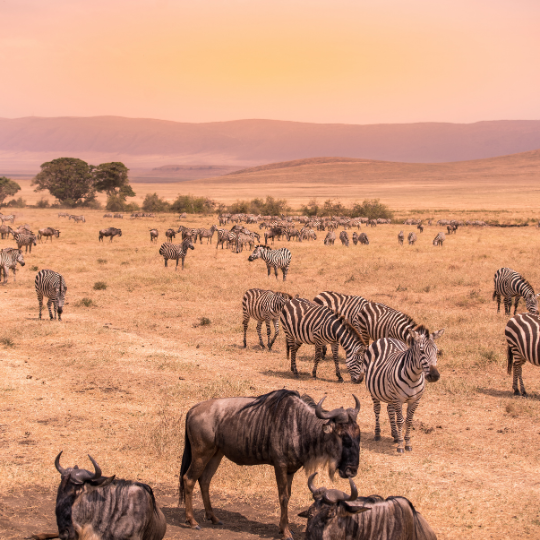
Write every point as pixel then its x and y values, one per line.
pixel 305 322
pixel 344 237
pixel 9 257
pixel 274 258
pixel 176 251
pixel 262 306
pixel 347 306
pixel 52 285
pixel 439 239
pixel 396 375
pixel 522 334
pixel 412 238
pixel 26 239
pixel 400 238
pixel 509 283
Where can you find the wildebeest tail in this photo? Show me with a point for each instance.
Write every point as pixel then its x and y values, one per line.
pixel 186 462
pixel 510 359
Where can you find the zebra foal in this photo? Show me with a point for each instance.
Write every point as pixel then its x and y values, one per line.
pixel 510 284
pixel 263 306
pixel 396 375
pixel 274 258
pixel 52 285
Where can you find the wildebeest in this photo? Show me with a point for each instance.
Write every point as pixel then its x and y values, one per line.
pixel 412 238
pixel 96 507
pixel 400 238
pixel 170 234
pixel 336 515
pixel 355 238
pixel 48 232
pixel 111 231
pixel 344 237
pixel 280 429
pixel 363 239
pixel 154 235
pixel 330 238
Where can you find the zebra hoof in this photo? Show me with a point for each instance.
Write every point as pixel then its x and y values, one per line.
pixel 296 376
pixel 524 394
pixel 408 448
pixel 517 393
pixel 396 440
pixel 377 438
pixel 400 451
pixel 340 380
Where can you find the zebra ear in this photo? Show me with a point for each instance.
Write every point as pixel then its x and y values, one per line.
pixel 413 335
pixel 437 335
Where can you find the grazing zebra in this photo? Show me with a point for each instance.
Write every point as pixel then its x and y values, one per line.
pixel 420 227
pixel 78 219
pixel 400 238
pixel 522 334
pixel 355 238
pixel 396 375
pixel 274 258
pixel 439 239
pixel 176 251
pixel 9 257
pixel 308 234
pixel 111 231
pixel 52 285
pixel 330 238
pixel 412 238
pixel 26 239
pixel 344 237
pixel 170 234
pixel 104 215
pixel 65 214
pixel 363 239
pixel 48 232
pixel 344 305
pixel 207 233
pixel 154 233
pixel 118 216
pixel 372 222
pixel 508 283
pixel 262 306
pixel 305 322
pixel 8 218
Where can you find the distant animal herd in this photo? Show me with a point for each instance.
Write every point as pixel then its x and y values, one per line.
pixel 394 354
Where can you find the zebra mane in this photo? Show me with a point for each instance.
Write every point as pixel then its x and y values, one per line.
pixel 420 328
pixel 345 322
pixel 263 246
pixel 527 283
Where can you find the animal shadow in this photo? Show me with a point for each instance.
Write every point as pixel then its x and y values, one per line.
pixel 506 393
pixel 385 446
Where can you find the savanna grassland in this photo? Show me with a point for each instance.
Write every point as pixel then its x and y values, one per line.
pixel 116 377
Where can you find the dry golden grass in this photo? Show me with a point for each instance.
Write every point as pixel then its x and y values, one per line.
pixel 116 377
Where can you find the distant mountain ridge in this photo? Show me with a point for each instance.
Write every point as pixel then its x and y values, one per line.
pixel 245 143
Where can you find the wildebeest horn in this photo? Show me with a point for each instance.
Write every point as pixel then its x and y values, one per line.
pixel 59 468
pixel 96 468
pixel 356 409
pixel 310 485
pixel 327 415
pixel 354 491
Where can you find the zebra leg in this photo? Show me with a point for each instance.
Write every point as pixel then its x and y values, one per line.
pixel 276 332
pixel 335 349
pixel 516 304
pixel 392 419
pixel 268 333
pixel 293 347
pixel 275 271
pixel 49 308
pixel 166 260
pixel 259 333
pixel 245 322
pixel 316 362
pixel 284 270
pixel 398 409
pixel 498 302
pixel 507 305
pixel 377 411
pixel 517 378
pixel 411 407
pixel 40 302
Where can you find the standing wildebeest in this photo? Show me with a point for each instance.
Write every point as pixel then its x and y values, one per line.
pixel 90 506
pixel 154 235
pixel 355 238
pixel 336 515
pixel 330 238
pixel 412 238
pixel 170 234
pixel 363 239
pixel 344 237
pixel 48 232
pixel 111 231
pixel 176 251
pixel 280 429
pixel 400 238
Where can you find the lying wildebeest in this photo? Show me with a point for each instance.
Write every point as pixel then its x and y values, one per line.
pixel 111 231
pixel 336 515
pixel 94 507
pixel 280 429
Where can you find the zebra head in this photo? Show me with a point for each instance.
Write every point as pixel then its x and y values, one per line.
pixel 356 364
pixel 20 258
pixel 425 351
pixel 532 304
pixel 257 253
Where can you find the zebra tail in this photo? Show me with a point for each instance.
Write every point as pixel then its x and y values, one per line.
pixel 510 358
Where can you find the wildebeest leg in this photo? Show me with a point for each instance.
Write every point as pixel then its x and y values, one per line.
pixel 398 409
pixel 284 482
pixel 517 371
pixel 49 307
pixel 293 346
pixel 516 304
pixel 245 323
pixel 259 333
pixel 507 305
pixel 392 419
pixel 411 407
pixel 204 483
pixel 335 349
pixel 377 411
pixel 276 332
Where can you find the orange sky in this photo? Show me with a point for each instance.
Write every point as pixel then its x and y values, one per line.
pixel 361 61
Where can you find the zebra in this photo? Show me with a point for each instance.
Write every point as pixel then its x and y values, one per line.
pixel 65 214
pixel 355 238
pixel 9 257
pixel 4 231
pixel 11 218
pixel 396 375
pixel 262 306
pixel 308 234
pixel 48 232
pixel 344 305
pixel 222 235
pixel 509 283
pixel 412 238
pixel 52 285
pixel 372 222
pixel 170 234
pixel 111 231
pixel 363 239
pixel 26 239
pixel 104 215
pixel 78 219
pixel 176 251
pixel 439 239
pixel 344 237
pixel 207 233
pixel 522 334
pixel 118 216
pixel 305 322
pixel 274 258
pixel 400 238
pixel 154 233
pixel 330 238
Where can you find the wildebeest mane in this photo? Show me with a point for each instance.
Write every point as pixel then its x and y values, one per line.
pixel 272 399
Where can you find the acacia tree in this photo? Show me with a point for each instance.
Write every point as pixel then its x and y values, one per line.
pixel 8 188
pixel 112 178
pixel 70 180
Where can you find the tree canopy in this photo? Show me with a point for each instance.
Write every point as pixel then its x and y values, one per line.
pixel 8 188
pixel 112 178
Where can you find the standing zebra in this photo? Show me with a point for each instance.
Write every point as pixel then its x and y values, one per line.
pixel 396 375
pixel 262 306
pixel 305 322
pixel 175 251
pixel 52 285
pixel 26 239
pixel 508 283
pixel 207 233
pixel 522 334
pixel 400 238
pixel 355 238
pixel 344 237
pixel 9 257
pixel 274 258
pixel 439 239
pixel 412 238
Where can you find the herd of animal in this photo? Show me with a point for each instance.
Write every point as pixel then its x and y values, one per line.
pixel 394 354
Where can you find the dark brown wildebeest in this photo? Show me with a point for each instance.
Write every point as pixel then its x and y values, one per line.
pixel 170 234
pixel 280 429
pixel 92 506
pixel 335 514
pixel 154 235
pixel 48 232
pixel 111 231
pixel 330 238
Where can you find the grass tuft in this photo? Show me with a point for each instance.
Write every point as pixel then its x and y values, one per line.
pixel 7 341
pixel 34 268
pixel 100 286
pixel 102 261
pixel 86 302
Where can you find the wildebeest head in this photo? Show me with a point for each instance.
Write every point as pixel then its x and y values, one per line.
pixel 79 477
pixel 344 434
pixel 425 351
